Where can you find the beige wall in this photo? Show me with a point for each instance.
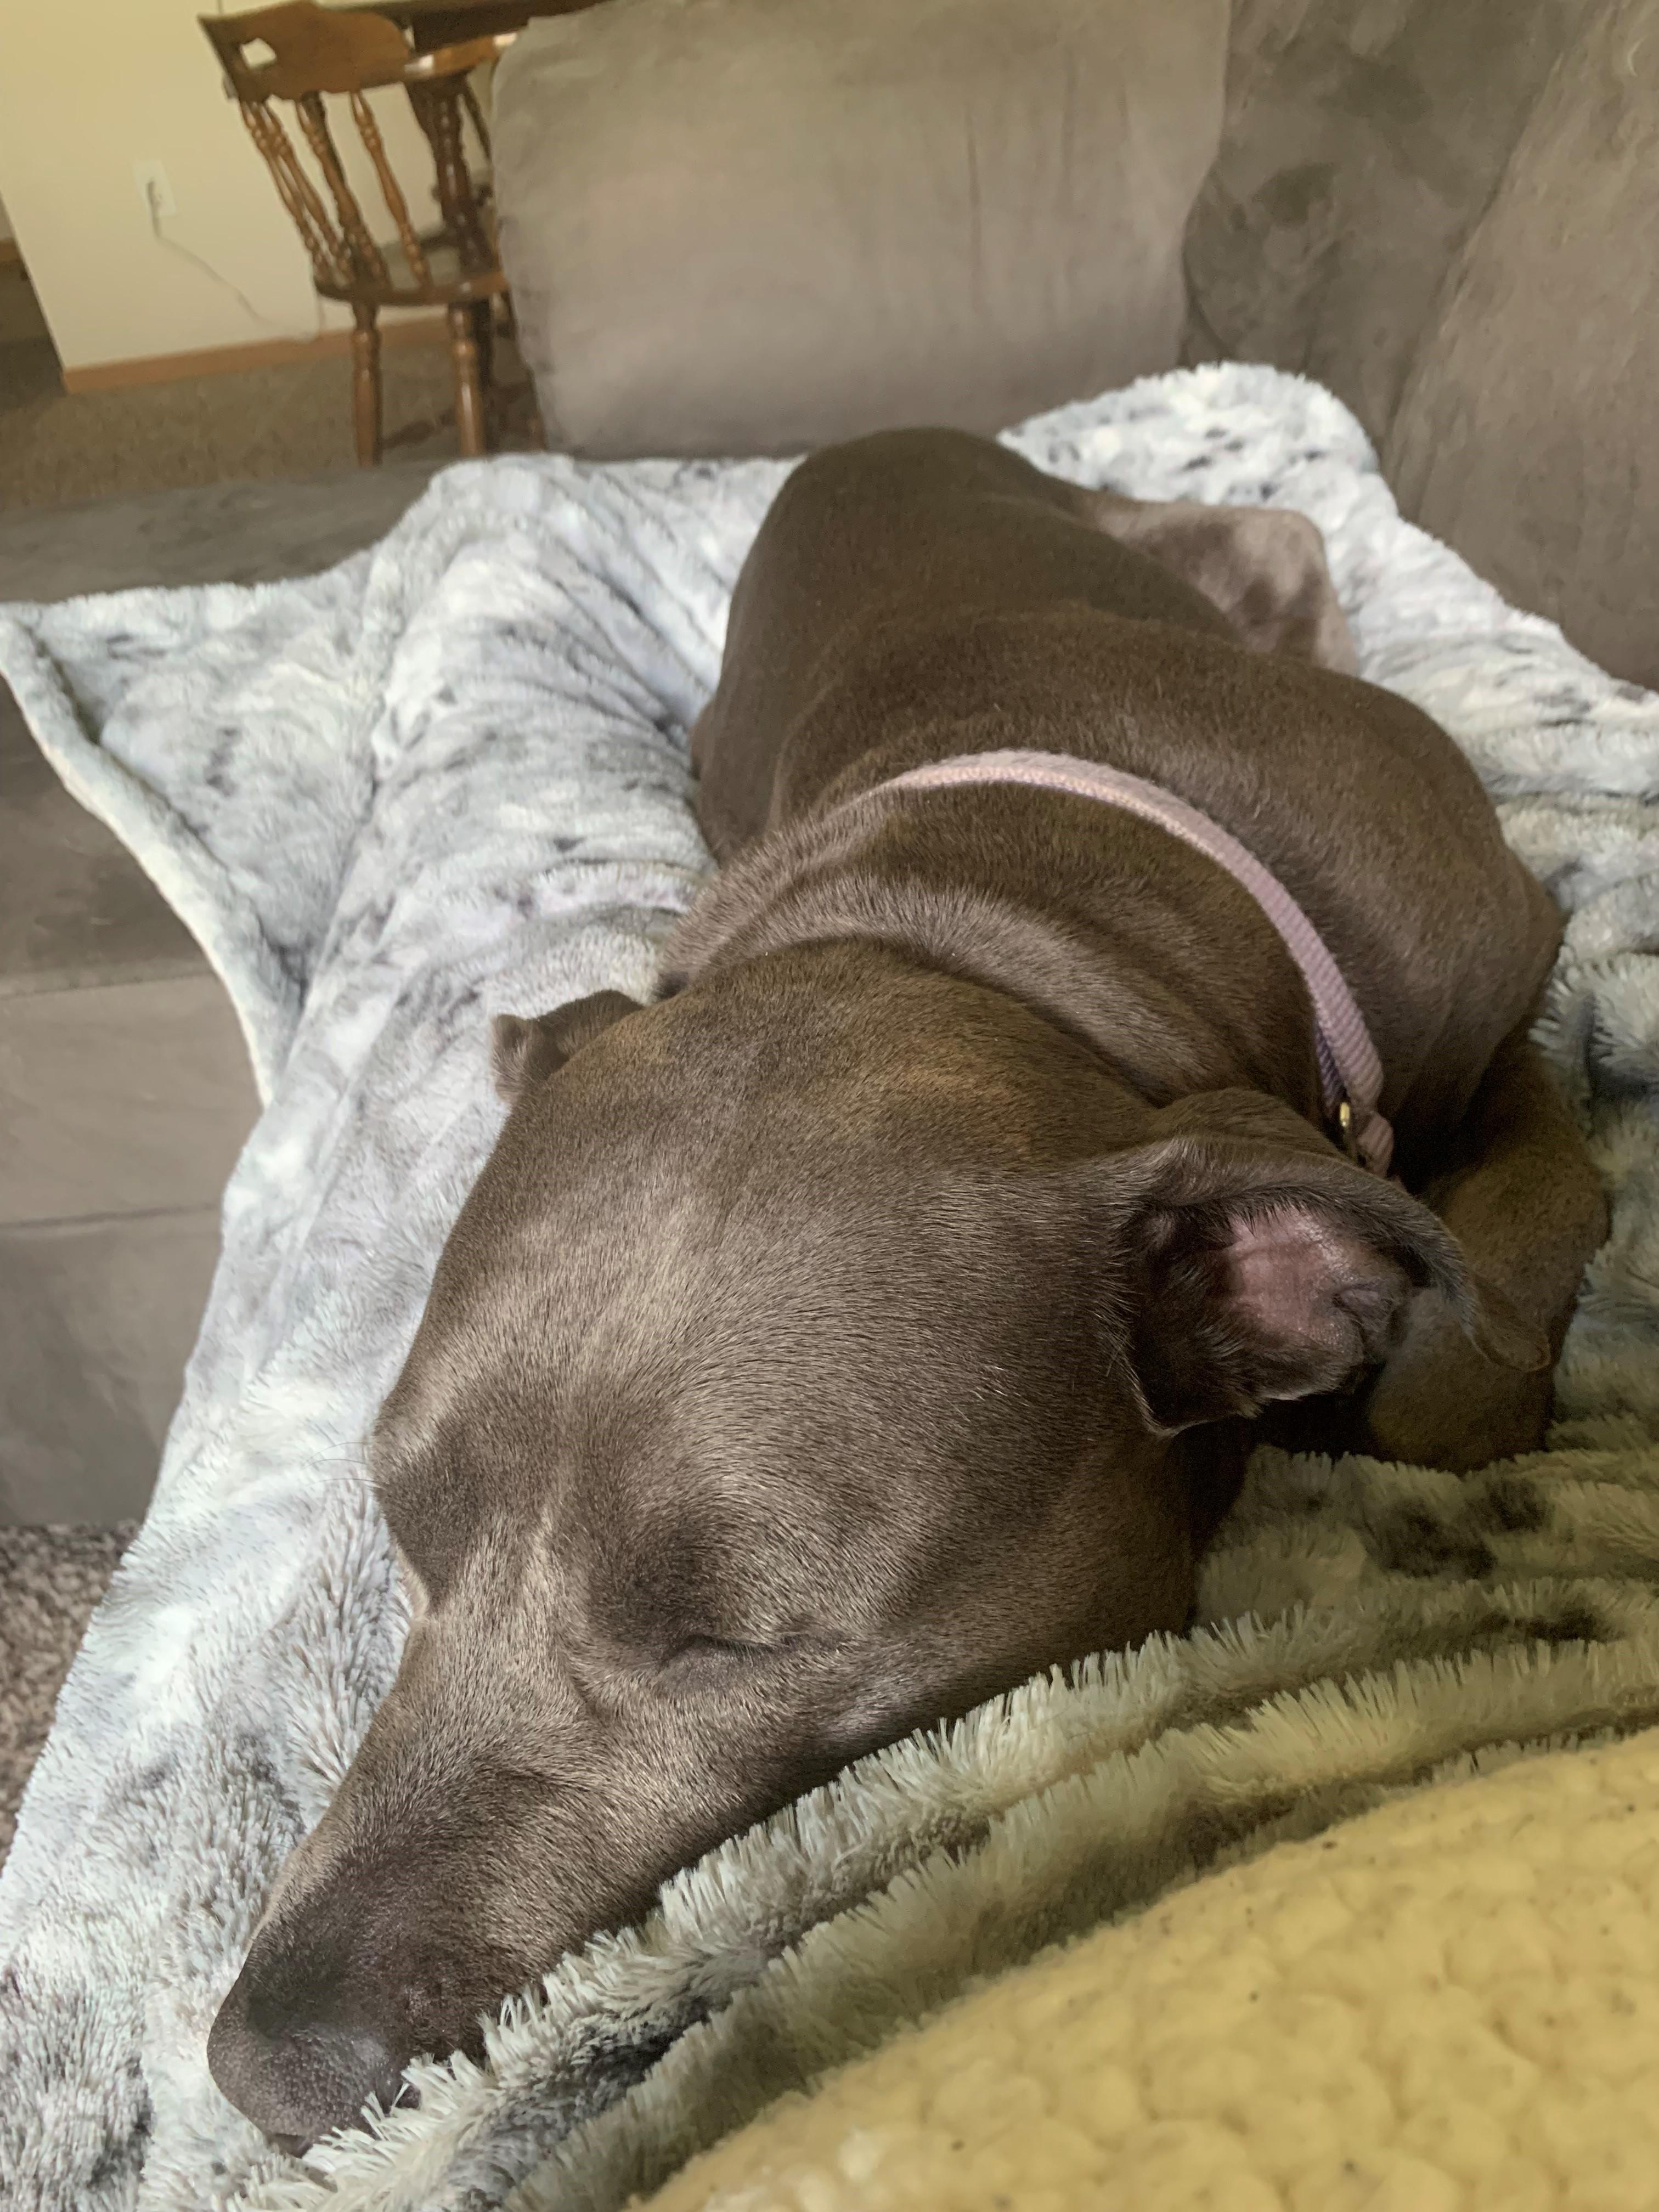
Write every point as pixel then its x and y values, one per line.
pixel 136 81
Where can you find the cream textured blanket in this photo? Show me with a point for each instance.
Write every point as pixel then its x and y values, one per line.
pixel 1450 2005
pixel 449 777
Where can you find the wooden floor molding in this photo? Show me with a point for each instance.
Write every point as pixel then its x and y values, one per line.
pixel 10 254
pixel 223 360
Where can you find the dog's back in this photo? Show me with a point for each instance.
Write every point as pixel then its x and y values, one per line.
pixel 900 544
pixel 924 593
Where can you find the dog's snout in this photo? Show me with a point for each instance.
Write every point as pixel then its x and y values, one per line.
pixel 298 2070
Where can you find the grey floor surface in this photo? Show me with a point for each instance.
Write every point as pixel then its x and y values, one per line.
pixel 50 1581
pixel 125 1091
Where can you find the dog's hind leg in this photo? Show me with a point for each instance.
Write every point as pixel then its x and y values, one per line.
pixel 1264 567
pixel 1522 1197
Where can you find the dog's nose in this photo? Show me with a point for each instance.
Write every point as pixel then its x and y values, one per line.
pixel 295 2076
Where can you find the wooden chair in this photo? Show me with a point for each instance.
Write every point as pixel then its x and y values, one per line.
pixel 317 50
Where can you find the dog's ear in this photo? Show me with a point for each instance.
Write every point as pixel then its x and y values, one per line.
pixel 1264 567
pixel 1258 1264
pixel 524 1051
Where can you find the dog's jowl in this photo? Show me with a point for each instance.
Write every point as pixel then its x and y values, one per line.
pixel 1108 1038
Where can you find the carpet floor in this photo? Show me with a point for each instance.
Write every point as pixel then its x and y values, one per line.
pixel 59 447
pixel 51 1579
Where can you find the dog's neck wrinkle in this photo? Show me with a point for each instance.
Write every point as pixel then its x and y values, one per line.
pixel 1149 1010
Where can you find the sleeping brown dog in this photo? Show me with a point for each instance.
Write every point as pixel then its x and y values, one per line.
pixel 881 1315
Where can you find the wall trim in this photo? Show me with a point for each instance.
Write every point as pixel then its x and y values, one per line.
pixel 11 253
pixel 223 361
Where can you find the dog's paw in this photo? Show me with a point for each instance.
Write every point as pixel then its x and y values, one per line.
pixel 1439 1401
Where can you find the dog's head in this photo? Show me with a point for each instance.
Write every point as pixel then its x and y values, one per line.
pixel 818 1353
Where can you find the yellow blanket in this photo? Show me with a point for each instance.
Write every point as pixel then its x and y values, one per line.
pixel 1447 2005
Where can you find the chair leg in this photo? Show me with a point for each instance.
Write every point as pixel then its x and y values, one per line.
pixel 468 398
pixel 483 326
pixel 483 329
pixel 366 385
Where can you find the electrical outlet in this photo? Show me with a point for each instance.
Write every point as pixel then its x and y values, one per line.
pixel 154 190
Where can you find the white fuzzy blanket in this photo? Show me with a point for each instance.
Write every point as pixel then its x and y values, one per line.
pixel 449 778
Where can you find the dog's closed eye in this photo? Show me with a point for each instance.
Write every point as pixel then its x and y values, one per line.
pixel 734 1648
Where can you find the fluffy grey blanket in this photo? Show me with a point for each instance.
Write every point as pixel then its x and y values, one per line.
pixel 449 777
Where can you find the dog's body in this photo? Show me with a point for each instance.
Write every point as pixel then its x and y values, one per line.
pixel 877 1318
pixel 910 597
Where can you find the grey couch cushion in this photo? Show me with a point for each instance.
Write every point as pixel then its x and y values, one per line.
pixel 1444 210
pixel 1363 138
pixel 1528 432
pixel 753 226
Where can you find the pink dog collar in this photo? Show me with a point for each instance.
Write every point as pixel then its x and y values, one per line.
pixel 1349 1073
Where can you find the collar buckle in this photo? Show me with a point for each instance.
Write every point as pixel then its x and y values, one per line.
pixel 1348 1134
